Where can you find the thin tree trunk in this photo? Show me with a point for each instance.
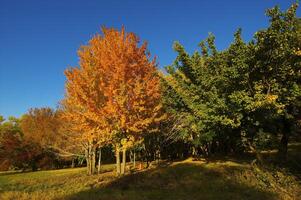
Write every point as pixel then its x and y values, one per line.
pixel 134 160
pixel 88 161
pixel 131 156
pixel 117 161
pixel 123 161
pixel 193 151
pixel 72 164
pixel 99 160
pixel 93 161
pixel 158 155
pixel 282 151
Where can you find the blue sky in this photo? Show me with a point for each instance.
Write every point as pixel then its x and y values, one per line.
pixel 39 39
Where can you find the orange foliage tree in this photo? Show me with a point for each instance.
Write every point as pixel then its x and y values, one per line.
pixel 41 125
pixel 48 129
pixel 114 96
pixel 83 111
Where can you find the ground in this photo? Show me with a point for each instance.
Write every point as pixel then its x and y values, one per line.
pixel 186 179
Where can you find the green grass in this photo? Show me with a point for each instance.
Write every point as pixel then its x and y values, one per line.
pixel 52 184
pixel 179 180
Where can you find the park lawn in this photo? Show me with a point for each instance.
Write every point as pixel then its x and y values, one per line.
pixel 178 180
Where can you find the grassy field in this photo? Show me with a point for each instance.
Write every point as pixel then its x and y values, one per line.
pixel 179 180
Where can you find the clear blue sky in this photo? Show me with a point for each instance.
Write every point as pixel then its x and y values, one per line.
pixel 39 39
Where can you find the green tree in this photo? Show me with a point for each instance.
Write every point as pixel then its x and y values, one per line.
pixel 277 67
pixel 223 100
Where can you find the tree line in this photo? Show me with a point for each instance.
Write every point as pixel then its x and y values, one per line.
pixel 245 98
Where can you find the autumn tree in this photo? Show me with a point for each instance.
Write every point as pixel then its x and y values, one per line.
pixel 84 104
pixel 15 150
pixel 115 92
pixel 10 143
pixel 41 125
pixel 134 91
pixel 45 127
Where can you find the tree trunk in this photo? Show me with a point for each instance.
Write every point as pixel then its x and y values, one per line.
pixel 34 166
pixel 123 161
pixel 193 151
pixel 99 160
pixel 88 161
pixel 72 164
pixel 131 156
pixel 158 156
pixel 90 157
pixel 93 155
pixel 134 160
pixel 282 150
pixel 117 161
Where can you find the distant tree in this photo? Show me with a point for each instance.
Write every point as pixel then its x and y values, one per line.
pixel 46 128
pixel 41 125
pixel 15 151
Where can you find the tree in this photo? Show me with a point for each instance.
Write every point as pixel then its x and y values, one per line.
pixel 134 90
pixel 10 140
pixel 115 92
pixel 41 125
pixel 225 99
pixel 15 150
pixel 46 128
pixel 277 67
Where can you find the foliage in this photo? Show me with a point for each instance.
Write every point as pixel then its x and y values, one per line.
pixel 245 98
pixel 115 94
pixel 221 100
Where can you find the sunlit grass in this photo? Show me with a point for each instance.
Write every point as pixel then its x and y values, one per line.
pixel 178 180
pixel 52 184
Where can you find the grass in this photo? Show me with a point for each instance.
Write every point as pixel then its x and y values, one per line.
pixel 51 184
pixel 179 180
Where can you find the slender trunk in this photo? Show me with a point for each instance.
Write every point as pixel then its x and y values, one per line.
pixel 282 151
pixel 72 164
pixel 141 161
pixel 134 160
pixel 99 160
pixel 131 156
pixel 157 156
pixel 88 161
pixel 93 161
pixel 34 166
pixel 123 161
pixel 147 161
pixel 117 161
pixel 193 151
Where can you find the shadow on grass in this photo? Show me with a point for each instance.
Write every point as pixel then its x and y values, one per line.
pixel 293 162
pixel 181 181
pixel 4 173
